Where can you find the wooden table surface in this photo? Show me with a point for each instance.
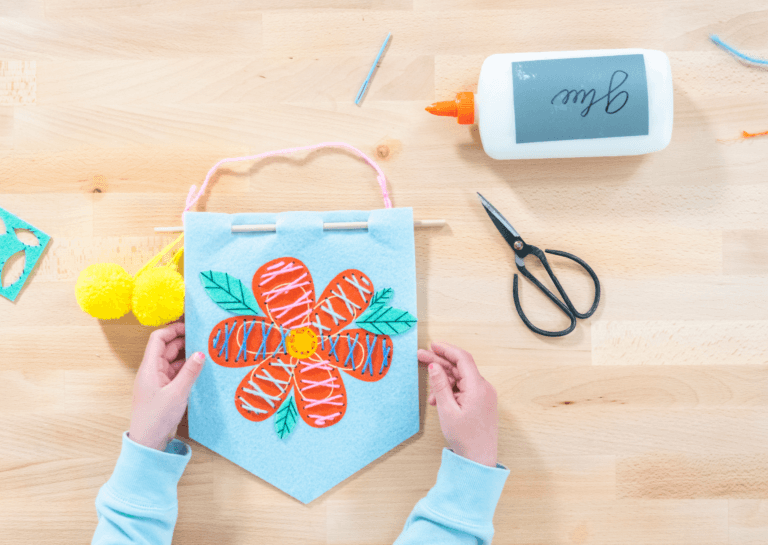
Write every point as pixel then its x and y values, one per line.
pixel 646 425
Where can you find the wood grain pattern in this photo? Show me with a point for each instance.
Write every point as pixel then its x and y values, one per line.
pixel 680 343
pixel 647 425
pixel 18 82
pixel 693 477
pixel 747 521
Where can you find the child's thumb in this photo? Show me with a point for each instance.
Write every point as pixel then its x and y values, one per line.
pixel 188 374
pixel 441 387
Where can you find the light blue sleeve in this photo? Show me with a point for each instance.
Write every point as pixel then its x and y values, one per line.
pixel 459 508
pixel 138 503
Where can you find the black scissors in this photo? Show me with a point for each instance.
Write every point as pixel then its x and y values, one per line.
pixel 522 250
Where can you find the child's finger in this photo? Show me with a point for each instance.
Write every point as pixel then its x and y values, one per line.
pixel 425 356
pixel 159 339
pixel 465 364
pixel 174 348
pixel 188 374
pixel 176 365
pixel 441 389
pixel 169 332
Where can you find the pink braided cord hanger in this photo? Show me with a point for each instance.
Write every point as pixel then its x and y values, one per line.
pixel 193 197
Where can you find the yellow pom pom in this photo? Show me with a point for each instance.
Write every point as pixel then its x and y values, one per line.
pixel 158 296
pixel 104 291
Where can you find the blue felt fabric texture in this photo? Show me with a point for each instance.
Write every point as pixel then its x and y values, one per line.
pixel 10 244
pixel 380 415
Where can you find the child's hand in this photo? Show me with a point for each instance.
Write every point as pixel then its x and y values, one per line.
pixel 466 403
pixel 162 387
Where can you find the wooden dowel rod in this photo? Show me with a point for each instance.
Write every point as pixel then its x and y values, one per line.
pixel 340 226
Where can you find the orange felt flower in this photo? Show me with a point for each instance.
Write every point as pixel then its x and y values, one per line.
pixel 301 344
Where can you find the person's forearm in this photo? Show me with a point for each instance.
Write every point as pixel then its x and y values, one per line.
pixel 459 508
pixel 138 504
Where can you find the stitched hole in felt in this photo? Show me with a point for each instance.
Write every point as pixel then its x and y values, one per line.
pixel 13 269
pixel 27 237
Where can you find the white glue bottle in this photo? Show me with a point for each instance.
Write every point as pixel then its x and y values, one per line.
pixel 569 104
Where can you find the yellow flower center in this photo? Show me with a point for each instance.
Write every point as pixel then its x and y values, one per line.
pixel 301 343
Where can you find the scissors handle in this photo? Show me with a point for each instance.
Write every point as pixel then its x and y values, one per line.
pixel 566 306
pixel 591 273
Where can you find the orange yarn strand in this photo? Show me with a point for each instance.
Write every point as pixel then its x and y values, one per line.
pixel 745 134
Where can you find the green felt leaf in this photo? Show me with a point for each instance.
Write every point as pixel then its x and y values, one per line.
pixel 286 418
pixel 229 293
pixel 386 321
pixel 381 298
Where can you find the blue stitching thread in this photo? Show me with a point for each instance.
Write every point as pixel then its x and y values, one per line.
pixel 385 352
pixel 225 345
pixel 350 355
pixel 244 347
pixel 736 52
pixel 322 341
pixel 332 348
pixel 369 350
pixel 283 335
pixel 263 346
pixel 216 339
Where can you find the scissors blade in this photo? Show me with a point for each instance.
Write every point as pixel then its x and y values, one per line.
pixel 501 223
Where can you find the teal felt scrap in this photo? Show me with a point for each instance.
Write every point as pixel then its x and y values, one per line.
pixel 11 245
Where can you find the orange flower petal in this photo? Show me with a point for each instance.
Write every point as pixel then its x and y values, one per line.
pixel 345 298
pixel 359 353
pixel 321 397
pixel 264 388
pixel 261 337
pixel 285 292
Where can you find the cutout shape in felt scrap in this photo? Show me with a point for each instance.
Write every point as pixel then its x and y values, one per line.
pixel 10 245
pixel 311 342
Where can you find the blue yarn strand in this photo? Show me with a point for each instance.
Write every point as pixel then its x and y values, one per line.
pixel 737 53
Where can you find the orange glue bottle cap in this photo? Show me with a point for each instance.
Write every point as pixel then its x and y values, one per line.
pixel 463 108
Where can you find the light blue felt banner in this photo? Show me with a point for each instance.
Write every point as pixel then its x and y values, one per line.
pixel 379 416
